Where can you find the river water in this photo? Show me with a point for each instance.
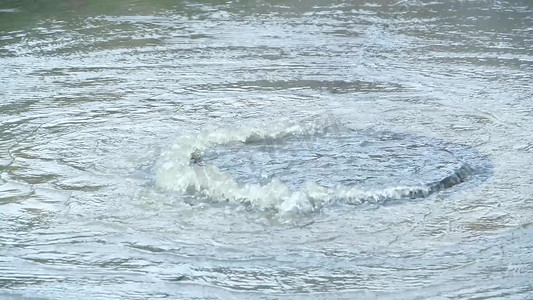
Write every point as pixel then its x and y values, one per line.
pixel 266 149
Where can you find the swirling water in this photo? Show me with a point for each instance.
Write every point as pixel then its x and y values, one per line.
pixel 266 149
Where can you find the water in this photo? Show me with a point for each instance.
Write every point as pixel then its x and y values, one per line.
pixel 264 149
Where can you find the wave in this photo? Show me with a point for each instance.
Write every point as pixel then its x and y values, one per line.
pixel 177 170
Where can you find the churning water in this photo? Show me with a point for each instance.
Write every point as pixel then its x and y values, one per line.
pixel 265 149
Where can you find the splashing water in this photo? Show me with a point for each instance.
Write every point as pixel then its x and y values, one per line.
pixel 300 167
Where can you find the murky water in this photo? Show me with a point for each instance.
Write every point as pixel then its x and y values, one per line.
pixel 265 149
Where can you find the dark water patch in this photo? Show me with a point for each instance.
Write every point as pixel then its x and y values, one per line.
pixel 334 87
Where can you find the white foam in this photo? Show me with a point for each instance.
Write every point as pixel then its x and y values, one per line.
pixel 176 172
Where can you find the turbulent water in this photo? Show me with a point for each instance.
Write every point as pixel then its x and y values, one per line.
pixel 266 149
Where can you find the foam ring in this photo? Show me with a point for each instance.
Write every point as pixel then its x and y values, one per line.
pixel 211 165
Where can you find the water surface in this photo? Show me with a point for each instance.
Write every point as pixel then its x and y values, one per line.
pixel 109 110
